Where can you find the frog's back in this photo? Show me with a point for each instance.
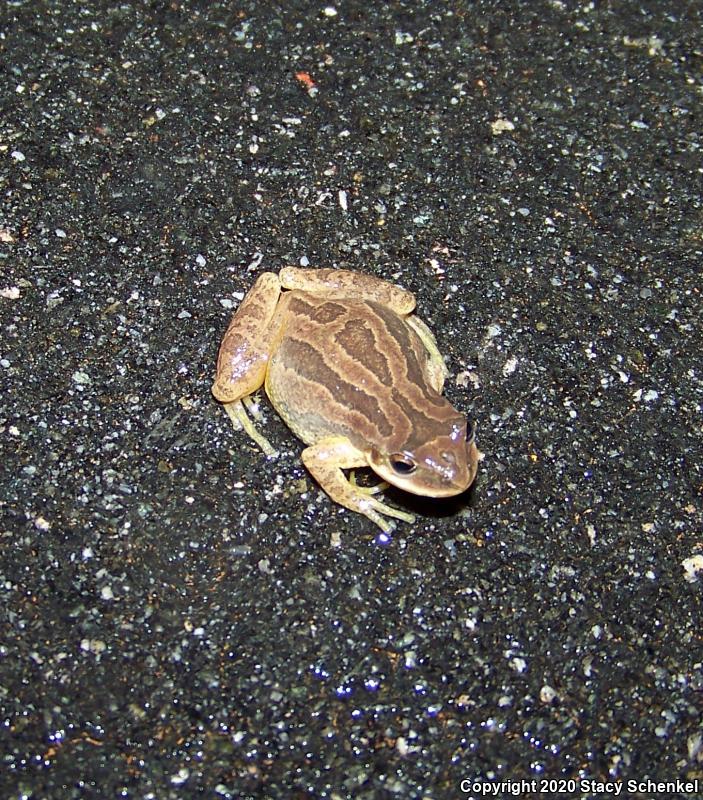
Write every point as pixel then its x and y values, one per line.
pixel 353 368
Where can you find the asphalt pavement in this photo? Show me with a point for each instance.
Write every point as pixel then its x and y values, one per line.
pixel 183 618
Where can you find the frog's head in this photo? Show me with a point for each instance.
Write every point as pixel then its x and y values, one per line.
pixel 442 467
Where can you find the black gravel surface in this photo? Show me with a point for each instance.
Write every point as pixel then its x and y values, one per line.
pixel 182 618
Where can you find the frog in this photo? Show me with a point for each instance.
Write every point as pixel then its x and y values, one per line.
pixel 357 376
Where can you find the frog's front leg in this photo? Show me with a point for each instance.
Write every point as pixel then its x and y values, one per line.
pixel 244 354
pixel 326 460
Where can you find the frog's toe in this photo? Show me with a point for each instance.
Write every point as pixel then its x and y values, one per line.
pixel 236 412
pixel 378 508
pixel 252 406
pixel 386 525
pixel 379 487
pixel 233 414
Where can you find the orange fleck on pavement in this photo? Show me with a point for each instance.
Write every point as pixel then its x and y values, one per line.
pixel 305 79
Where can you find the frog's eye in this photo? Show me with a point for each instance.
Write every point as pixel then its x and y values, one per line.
pixel 471 432
pixel 402 465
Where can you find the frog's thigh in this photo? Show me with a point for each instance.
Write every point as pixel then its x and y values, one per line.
pixel 244 353
pixel 343 283
pixel 437 371
pixel 326 460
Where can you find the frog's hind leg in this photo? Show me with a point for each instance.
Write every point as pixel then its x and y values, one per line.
pixel 435 368
pixel 244 354
pixel 345 284
pixel 326 460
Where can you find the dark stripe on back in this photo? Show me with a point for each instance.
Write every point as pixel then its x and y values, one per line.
pixel 398 330
pixel 311 366
pixel 358 341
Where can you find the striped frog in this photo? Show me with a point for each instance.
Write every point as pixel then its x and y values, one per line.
pixel 355 375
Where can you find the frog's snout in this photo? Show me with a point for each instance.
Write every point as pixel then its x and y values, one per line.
pixel 455 470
